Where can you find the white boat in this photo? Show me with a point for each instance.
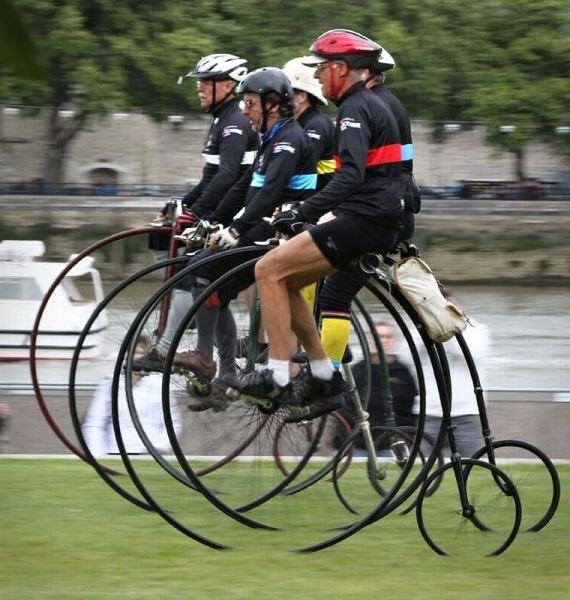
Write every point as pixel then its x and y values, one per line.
pixel 23 283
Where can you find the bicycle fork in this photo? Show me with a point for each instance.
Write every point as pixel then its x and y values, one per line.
pixel 376 470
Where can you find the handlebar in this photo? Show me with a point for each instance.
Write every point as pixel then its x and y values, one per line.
pixel 199 235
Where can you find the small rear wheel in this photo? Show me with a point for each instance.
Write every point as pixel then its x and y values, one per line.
pixel 487 520
pixel 534 475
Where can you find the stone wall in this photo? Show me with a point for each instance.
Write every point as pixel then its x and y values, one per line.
pixel 146 152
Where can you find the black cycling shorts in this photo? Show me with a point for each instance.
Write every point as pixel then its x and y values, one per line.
pixel 350 236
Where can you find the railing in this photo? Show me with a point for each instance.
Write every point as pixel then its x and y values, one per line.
pixel 489 189
pixel 81 189
pixel 468 190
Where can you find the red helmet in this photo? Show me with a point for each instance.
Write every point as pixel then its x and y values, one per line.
pixel 342 44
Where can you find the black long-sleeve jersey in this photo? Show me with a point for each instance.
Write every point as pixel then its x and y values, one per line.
pixel 228 152
pixel 404 125
pixel 320 129
pixel 412 195
pixel 368 157
pixel 284 171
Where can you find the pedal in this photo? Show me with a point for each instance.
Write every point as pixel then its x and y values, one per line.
pixel 265 405
pixel 196 385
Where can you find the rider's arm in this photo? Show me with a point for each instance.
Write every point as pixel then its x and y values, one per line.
pixel 233 201
pixel 232 149
pixel 193 195
pixel 353 146
pixel 319 132
pixel 281 166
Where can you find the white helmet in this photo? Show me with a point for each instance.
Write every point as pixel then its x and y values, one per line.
pixel 218 66
pixel 302 78
pixel 385 62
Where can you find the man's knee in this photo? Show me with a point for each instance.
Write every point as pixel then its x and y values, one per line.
pixel 269 267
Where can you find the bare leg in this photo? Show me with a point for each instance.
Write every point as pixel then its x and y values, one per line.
pixel 280 275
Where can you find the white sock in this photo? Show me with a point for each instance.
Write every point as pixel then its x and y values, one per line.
pixel 322 368
pixel 280 370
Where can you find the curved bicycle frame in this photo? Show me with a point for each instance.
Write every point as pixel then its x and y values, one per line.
pixel 35 331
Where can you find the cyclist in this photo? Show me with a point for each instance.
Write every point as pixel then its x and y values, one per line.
pixel 284 171
pixel 307 98
pixel 336 297
pixel 231 143
pixel 365 192
pixel 229 152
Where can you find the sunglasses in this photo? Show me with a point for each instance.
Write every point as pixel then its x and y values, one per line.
pixel 321 67
pixel 250 103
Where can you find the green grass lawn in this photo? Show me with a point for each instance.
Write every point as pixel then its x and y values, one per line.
pixel 65 534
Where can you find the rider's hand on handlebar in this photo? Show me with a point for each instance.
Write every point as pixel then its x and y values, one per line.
pixel 289 222
pixel 224 239
pixel 198 234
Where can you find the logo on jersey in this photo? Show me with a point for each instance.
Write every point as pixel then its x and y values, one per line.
pixel 283 146
pixel 226 131
pixel 313 134
pixel 349 122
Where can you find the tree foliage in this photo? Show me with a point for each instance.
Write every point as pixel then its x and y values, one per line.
pixel 495 61
pixel 17 50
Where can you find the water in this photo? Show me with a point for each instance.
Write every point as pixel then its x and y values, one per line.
pixel 531 345
pixel 529 326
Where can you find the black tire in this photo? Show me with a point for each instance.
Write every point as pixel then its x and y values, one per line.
pixel 491 520
pixel 236 421
pixel 103 244
pixel 535 474
pixel 126 288
pixel 220 496
pixel 338 429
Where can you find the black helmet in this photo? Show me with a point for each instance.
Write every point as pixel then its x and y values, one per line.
pixel 265 80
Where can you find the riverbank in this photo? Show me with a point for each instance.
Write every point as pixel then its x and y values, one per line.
pixel 498 249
